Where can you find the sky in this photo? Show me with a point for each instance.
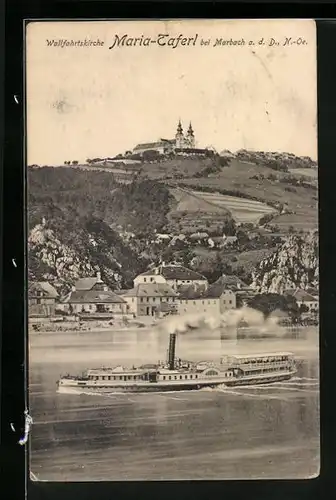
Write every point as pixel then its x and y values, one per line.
pixel 86 102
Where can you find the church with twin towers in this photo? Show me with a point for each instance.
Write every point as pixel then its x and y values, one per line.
pixel 183 142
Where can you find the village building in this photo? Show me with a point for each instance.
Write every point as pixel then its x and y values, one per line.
pixel 92 295
pixel 232 282
pixel 173 275
pixel 303 298
pixel 150 299
pixel 213 300
pixel 42 297
pixel 242 291
pixel 199 237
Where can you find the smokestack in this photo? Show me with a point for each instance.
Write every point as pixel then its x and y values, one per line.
pixel 171 351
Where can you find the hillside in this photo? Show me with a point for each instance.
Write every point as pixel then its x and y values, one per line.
pixel 280 180
pixel 295 200
pixel 293 264
pixel 139 206
pixel 275 159
pixel 193 213
pixel 80 220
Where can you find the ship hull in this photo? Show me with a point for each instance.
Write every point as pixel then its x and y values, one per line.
pixel 75 388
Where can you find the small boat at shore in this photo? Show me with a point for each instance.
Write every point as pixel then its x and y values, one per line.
pixel 178 375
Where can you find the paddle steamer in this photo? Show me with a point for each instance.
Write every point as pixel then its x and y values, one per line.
pixel 177 375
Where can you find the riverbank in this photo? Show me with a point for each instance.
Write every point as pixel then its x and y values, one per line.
pixel 53 327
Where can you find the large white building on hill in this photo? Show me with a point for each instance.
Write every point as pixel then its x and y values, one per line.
pixel 182 142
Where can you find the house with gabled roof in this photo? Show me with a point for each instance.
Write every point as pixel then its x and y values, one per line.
pixel 42 297
pixel 173 275
pixel 150 299
pixel 92 295
pixel 304 298
pixel 231 282
pixel 213 300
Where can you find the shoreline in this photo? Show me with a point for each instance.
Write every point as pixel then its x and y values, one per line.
pixel 285 330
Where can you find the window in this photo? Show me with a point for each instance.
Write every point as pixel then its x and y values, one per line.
pixel 196 376
pixel 147 299
pixel 230 301
pixel 164 377
pixel 169 377
pixel 132 299
pixel 191 376
pixel 186 376
pixel 152 279
pixel 153 299
pixel 145 279
pixel 141 299
pixel 203 302
pixel 194 302
pixel 175 377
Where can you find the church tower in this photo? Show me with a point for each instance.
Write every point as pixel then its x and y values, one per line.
pixel 179 136
pixel 190 137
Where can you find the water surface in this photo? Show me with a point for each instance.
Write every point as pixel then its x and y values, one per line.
pixel 236 433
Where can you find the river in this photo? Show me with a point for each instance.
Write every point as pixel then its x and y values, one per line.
pixel 269 432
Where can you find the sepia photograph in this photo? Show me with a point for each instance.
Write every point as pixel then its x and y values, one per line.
pixel 172 242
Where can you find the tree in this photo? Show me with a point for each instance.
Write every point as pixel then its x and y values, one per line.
pixel 303 308
pixel 265 219
pixel 270 302
pixel 239 301
pixel 242 238
pixel 75 162
pixel 151 155
pixel 229 228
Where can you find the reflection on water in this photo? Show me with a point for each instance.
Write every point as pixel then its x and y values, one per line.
pixel 250 432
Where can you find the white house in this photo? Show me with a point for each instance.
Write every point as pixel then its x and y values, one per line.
pixel 213 300
pixel 173 275
pixel 304 298
pixel 149 299
pixel 92 295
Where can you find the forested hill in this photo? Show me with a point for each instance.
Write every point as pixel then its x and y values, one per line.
pixel 53 192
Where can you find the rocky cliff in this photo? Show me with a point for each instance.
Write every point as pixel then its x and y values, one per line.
pixel 61 254
pixel 294 264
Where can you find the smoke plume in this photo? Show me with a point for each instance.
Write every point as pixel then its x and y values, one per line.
pixel 231 319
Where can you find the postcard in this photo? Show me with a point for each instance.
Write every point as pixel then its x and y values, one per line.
pixel 173 292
